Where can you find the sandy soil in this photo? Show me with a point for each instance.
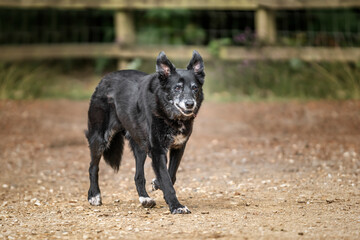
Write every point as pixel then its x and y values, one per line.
pixel 250 171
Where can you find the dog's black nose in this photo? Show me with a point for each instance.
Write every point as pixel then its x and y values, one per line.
pixel 189 104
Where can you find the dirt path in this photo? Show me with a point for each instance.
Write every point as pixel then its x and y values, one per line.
pixel 251 170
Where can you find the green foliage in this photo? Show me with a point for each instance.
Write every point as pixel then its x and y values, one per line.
pixel 293 79
pixel 228 81
pixel 161 26
pixel 163 15
pixel 215 45
pixel 193 34
pixel 21 25
pixel 100 64
pixel 342 24
pixel 18 81
pixel 325 27
pixel 62 79
pixel 344 20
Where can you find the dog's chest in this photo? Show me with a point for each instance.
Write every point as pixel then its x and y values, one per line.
pixel 179 137
pixel 173 135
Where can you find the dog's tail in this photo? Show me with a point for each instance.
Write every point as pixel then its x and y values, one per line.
pixel 113 152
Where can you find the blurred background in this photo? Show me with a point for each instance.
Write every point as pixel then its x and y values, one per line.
pixel 253 50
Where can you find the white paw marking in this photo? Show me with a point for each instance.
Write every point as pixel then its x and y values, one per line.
pixel 147 201
pixel 183 210
pixel 144 199
pixel 96 201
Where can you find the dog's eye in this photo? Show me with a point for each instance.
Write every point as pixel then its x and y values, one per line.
pixel 178 88
pixel 194 88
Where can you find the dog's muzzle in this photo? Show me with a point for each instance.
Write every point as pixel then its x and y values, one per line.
pixel 186 107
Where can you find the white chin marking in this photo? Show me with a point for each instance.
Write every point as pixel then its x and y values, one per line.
pixel 95 201
pixel 185 114
pixel 147 202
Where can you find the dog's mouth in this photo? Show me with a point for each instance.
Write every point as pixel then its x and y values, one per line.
pixel 184 112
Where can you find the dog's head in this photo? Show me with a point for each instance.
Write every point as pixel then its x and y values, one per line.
pixel 182 88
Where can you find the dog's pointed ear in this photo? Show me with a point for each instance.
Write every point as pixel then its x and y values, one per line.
pixel 197 65
pixel 163 66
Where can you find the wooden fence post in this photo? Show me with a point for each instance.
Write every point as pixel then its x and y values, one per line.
pixel 124 33
pixel 265 24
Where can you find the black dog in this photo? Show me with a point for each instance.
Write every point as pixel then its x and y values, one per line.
pixel 155 113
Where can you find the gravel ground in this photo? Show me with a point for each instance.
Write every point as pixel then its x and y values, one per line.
pixel 251 170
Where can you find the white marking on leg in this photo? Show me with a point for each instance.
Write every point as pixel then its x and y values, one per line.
pixel 95 201
pixel 183 210
pixel 147 202
pixel 144 199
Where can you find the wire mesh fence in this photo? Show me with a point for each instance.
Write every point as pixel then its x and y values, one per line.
pixel 331 28
pixel 192 27
pixel 30 26
pixel 339 27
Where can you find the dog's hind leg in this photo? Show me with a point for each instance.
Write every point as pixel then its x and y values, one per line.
pixel 140 157
pixel 94 196
pixel 97 121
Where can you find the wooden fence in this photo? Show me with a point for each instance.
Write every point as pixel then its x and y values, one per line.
pixel 124 49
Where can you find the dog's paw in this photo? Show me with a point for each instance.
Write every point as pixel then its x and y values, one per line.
pixel 96 200
pixel 155 184
pixel 181 210
pixel 147 202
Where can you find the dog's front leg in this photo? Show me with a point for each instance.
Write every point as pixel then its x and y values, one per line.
pixel 175 159
pixel 159 165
